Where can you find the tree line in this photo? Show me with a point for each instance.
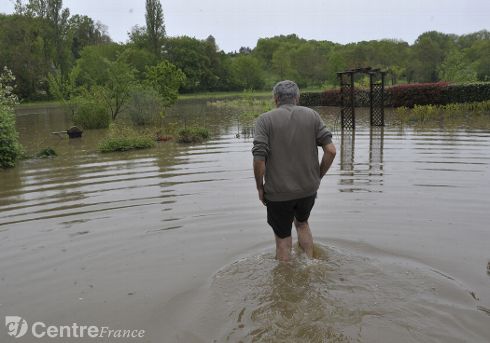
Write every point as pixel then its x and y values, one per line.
pixel 51 52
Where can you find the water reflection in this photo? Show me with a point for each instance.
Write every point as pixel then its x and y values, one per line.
pixel 347 145
pixel 376 140
pixel 357 174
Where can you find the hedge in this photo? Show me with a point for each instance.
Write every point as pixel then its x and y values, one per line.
pixel 407 95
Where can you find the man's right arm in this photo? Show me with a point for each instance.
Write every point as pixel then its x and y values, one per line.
pixel 260 152
pixel 329 153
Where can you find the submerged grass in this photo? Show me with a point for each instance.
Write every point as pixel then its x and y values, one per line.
pixel 124 138
pixel 450 114
pixel 247 107
pixel 193 135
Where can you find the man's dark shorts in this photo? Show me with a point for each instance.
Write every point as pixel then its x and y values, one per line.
pixel 280 214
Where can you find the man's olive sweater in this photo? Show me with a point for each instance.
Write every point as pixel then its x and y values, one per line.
pixel 287 139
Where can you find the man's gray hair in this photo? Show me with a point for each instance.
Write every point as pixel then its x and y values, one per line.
pixel 286 92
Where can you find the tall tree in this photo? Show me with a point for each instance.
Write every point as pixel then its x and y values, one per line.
pixel 428 52
pixel 57 47
pixel 155 26
pixel 84 32
pixel 22 50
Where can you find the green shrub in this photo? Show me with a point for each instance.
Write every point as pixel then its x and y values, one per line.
pixel 111 144
pixel 468 92
pixel 407 95
pixel 145 107
pixel 412 94
pixel 91 114
pixel 192 135
pixel 10 148
pixel 123 138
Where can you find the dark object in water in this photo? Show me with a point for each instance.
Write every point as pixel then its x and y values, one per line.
pixel 488 268
pixel 74 132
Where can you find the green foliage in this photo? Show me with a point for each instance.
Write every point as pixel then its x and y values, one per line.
pixel 165 78
pixel 193 57
pixel 455 68
pixel 247 72
pixel 64 89
pixel 94 63
pixel 468 92
pixel 23 49
pixel 90 113
pixel 95 76
pixel 124 138
pixel 282 65
pixel 139 59
pixel 428 52
pixel 83 32
pixel 10 148
pixel 192 135
pixel 116 90
pixel 46 153
pixel 477 54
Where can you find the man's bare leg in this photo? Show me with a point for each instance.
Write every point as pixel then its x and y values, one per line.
pixel 283 248
pixel 304 237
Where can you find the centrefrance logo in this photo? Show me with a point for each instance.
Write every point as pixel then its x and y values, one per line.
pixel 17 327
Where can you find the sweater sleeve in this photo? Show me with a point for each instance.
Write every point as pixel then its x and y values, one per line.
pixel 261 148
pixel 323 136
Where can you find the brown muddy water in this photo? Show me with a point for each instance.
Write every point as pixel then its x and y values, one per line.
pixel 174 241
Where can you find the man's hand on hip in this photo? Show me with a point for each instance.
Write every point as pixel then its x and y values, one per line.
pixel 259 172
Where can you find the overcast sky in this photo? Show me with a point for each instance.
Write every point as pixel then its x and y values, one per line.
pixel 241 23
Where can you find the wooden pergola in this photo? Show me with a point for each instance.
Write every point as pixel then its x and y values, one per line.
pixel 347 96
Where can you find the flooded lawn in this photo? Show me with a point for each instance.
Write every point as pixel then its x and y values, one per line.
pixel 173 240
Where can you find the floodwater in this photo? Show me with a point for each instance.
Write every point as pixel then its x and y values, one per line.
pixel 174 241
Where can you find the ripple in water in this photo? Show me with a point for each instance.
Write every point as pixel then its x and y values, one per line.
pixel 338 297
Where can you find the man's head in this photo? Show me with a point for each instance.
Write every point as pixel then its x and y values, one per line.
pixel 286 92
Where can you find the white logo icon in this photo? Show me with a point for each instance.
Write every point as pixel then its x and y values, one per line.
pixel 16 326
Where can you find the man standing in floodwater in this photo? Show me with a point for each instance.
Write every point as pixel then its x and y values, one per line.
pixel 285 151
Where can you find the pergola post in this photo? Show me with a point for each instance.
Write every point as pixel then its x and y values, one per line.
pixel 347 112
pixel 376 98
pixel 347 96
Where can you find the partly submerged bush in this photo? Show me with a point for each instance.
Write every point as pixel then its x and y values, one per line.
pixel 145 107
pixel 91 114
pixel 193 135
pixel 47 152
pixel 123 138
pixel 10 148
